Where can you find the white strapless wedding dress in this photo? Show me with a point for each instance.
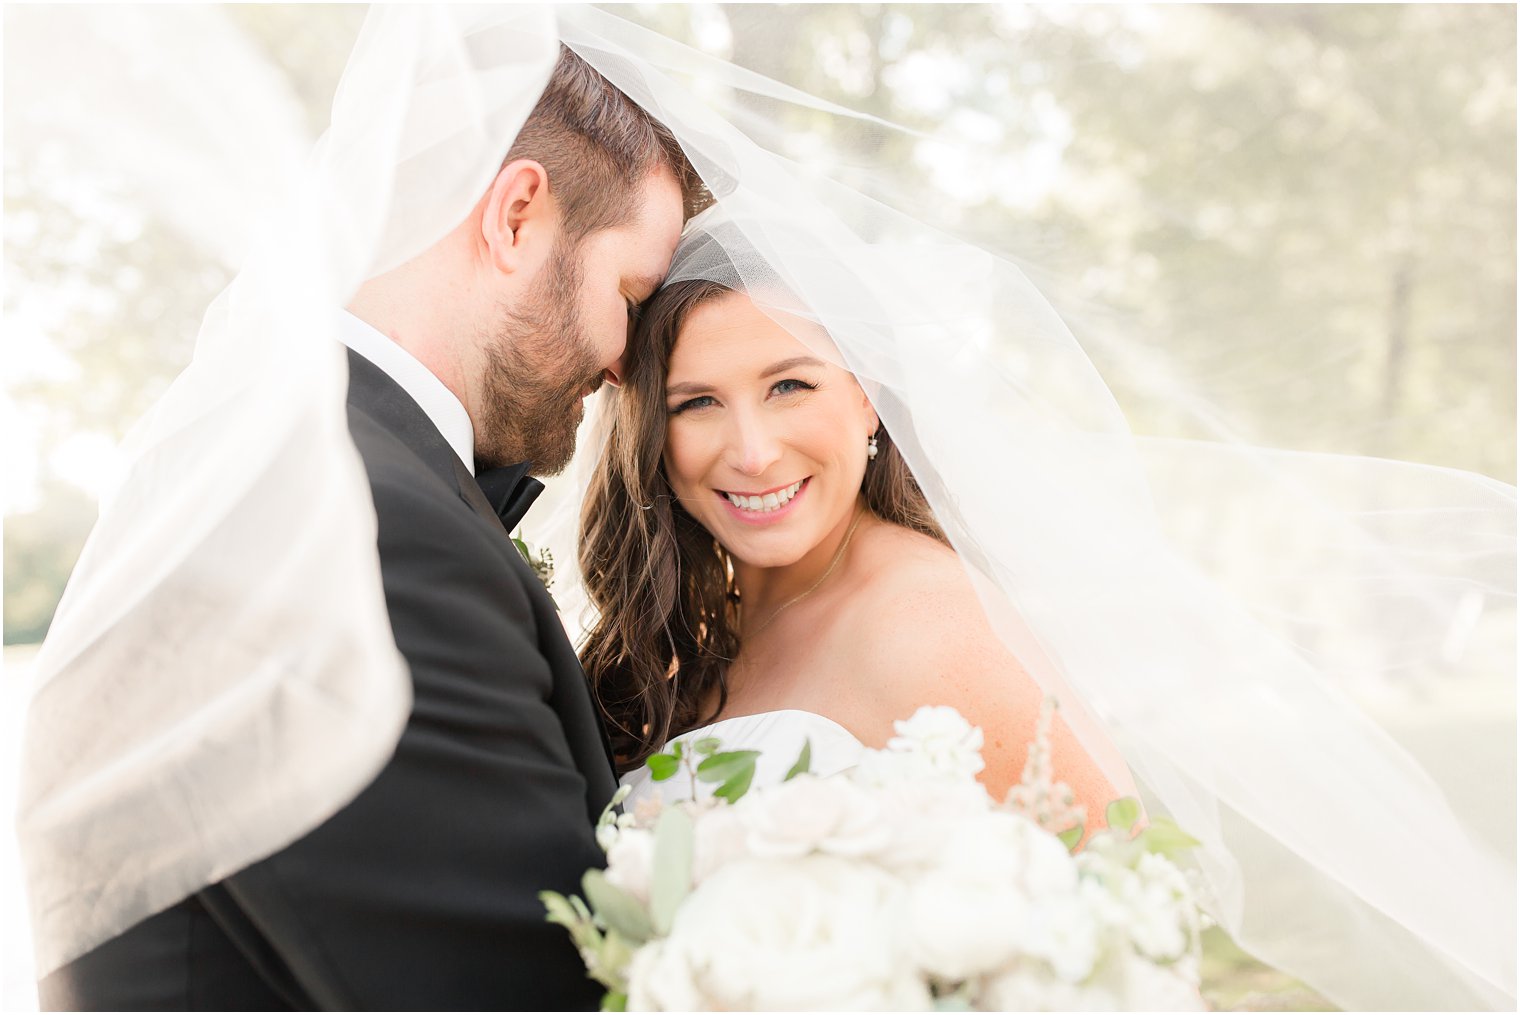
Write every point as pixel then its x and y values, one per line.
pixel 778 736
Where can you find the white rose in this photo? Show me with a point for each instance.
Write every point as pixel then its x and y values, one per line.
pixel 877 769
pixel 630 862
pixel 1064 932
pixel 942 737
pixel 659 979
pixel 923 816
pixel 968 908
pixel 959 926
pixel 1046 865
pixel 815 933
pixel 808 814
pixel 720 836
pixel 1005 845
pixel 972 909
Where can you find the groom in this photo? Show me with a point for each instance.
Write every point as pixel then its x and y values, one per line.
pixel 468 367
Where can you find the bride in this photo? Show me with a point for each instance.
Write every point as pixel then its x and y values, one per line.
pixel 788 582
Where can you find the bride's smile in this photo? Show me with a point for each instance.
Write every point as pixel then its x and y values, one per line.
pixel 766 442
pixel 766 507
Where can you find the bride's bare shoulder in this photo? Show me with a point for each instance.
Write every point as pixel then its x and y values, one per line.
pixel 915 579
pixel 921 637
pixel 917 630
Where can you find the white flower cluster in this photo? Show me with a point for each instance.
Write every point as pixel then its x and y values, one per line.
pixel 898 885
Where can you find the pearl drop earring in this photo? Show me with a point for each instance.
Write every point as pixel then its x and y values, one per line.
pixel 871 448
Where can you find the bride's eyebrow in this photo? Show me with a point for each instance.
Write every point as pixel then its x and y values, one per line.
pixel 686 388
pixel 791 364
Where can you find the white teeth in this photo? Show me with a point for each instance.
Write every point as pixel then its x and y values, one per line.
pixel 768 502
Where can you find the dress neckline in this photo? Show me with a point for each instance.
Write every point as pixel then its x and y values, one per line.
pixel 765 715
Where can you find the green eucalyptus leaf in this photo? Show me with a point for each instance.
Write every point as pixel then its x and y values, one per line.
pixel 678 749
pixel 609 962
pixel 614 957
pixel 618 910
pixel 1071 837
pixel 1123 813
pixel 738 785
pixel 707 745
pixel 725 766
pixel 662 766
pixel 1164 837
pixel 572 915
pixel 559 908
pixel 673 843
pixel 803 763
pixel 615 1000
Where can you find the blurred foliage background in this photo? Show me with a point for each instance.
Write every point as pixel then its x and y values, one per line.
pixel 1306 213
pixel 1304 216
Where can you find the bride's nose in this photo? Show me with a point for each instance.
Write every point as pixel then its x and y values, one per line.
pixel 752 447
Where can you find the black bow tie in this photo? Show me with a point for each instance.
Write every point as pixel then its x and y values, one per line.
pixel 510 491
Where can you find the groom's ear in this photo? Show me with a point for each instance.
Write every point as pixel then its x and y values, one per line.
pixel 518 224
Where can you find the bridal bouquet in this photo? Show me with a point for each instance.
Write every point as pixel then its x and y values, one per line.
pixel 899 884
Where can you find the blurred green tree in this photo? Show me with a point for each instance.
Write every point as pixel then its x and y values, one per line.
pixel 1298 220
pixel 1345 173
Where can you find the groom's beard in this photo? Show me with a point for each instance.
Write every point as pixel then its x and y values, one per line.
pixel 538 364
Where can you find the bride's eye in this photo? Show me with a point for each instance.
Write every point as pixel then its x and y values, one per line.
pixel 791 386
pixel 700 402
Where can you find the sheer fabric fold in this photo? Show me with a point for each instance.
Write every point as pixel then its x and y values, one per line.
pixel 220 676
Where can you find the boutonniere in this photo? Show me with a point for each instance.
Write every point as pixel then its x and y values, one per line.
pixel 540 560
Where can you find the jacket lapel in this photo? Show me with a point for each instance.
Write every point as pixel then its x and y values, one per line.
pixel 373 391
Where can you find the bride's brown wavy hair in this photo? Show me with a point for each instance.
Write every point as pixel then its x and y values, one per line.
pixel 664 587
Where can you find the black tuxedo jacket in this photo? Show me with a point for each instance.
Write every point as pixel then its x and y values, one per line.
pixel 422 893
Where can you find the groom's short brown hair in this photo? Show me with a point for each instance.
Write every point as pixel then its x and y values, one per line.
pixel 597 146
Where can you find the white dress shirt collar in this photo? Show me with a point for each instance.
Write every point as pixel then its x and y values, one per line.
pixel 439 403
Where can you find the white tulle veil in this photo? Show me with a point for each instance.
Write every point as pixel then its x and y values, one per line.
pixel 1208 604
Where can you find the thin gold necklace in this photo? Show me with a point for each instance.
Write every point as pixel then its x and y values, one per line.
pixel 838 556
